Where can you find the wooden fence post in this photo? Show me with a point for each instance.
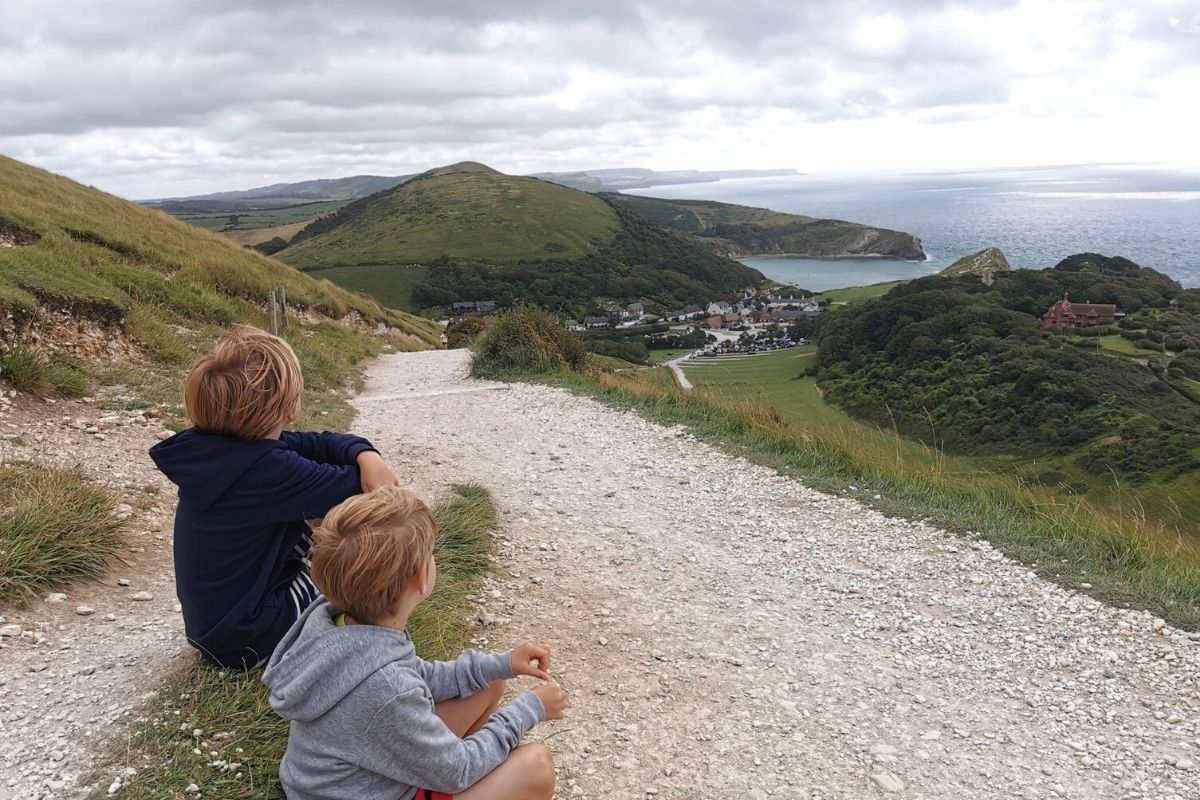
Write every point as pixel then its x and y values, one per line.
pixel 272 325
pixel 283 308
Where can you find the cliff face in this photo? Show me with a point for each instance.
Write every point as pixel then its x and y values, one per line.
pixel 984 264
pixel 863 243
pixel 739 231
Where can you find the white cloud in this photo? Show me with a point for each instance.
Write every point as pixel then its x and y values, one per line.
pixel 151 99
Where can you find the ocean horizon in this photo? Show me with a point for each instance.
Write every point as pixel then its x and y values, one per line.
pixel 1036 216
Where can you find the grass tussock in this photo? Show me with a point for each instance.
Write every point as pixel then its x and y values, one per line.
pixel 55 527
pixel 42 374
pixel 240 739
pixel 1127 558
pixel 526 339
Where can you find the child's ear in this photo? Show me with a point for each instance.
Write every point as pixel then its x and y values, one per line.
pixel 420 581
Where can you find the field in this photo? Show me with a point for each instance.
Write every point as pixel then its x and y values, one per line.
pixel 1119 344
pixel 662 356
pixel 252 236
pixel 223 221
pixel 390 284
pixel 852 293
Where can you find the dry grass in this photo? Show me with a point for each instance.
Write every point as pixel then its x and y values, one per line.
pixel 55 527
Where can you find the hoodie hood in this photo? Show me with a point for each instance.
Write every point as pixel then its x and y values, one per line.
pixel 317 664
pixel 204 465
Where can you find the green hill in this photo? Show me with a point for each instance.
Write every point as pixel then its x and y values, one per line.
pixel 127 294
pixel 466 211
pixel 985 264
pixel 739 231
pixel 467 232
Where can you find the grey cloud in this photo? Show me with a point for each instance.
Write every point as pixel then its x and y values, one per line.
pixel 376 83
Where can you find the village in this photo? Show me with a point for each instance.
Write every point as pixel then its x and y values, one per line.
pixel 755 321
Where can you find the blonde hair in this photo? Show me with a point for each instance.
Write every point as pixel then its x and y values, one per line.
pixel 369 547
pixel 246 387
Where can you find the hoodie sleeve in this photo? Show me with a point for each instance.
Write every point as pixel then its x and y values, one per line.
pixel 466 675
pixel 291 487
pixel 326 447
pixel 407 742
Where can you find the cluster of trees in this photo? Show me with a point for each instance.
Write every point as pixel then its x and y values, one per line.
pixel 642 263
pixel 634 344
pixel 964 366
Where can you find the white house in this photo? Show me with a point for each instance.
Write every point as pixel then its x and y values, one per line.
pixel 719 307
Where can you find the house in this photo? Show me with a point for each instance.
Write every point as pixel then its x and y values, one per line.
pixel 714 322
pixel 687 312
pixel 749 292
pixel 719 307
pixel 730 319
pixel 575 325
pixel 1065 314
pixel 801 303
pixel 633 311
pixel 469 309
pixel 597 322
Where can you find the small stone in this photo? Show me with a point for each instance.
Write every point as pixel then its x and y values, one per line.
pixel 193 788
pixel 142 596
pixel 10 630
pixel 38 667
pixel 115 786
pixel 1158 624
pixel 123 582
pixel 56 597
pixel 1184 763
pixel 887 781
pixel 164 435
pixel 85 611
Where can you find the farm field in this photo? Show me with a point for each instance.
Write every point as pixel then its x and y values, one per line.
pixel 223 221
pixel 391 284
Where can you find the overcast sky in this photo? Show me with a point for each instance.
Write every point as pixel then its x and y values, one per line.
pixel 150 98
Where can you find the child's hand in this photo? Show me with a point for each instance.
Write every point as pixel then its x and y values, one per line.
pixel 554 699
pixel 532 659
pixel 373 472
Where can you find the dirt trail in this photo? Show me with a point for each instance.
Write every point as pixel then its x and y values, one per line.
pixel 728 632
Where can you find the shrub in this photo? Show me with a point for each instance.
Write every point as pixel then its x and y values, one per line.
pixel 463 334
pixel 55 528
pixel 42 374
pixel 527 339
pixel 271 247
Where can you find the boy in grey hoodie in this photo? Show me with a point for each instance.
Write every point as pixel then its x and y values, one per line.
pixel 369 718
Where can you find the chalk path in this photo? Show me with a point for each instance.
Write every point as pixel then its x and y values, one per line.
pixel 728 632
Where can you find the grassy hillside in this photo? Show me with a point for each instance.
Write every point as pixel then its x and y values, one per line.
pixel 465 211
pixel 738 231
pixel 467 232
pixel 151 292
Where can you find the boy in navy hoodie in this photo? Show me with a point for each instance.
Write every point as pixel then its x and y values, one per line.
pixel 246 490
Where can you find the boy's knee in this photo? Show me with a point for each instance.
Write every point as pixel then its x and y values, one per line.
pixel 540 768
pixel 496 690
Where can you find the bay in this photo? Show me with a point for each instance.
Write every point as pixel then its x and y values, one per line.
pixel 1037 216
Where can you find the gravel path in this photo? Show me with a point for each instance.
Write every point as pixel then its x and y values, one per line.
pixel 728 632
pixel 677 371
pixel 74 665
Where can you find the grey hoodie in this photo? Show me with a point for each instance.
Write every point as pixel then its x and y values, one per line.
pixel 360 702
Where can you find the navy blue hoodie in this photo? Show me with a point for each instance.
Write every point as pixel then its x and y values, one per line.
pixel 241 536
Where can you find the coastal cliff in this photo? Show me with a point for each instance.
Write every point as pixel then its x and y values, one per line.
pixel 736 231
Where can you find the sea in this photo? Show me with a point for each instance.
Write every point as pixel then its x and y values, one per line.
pixel 1037 216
